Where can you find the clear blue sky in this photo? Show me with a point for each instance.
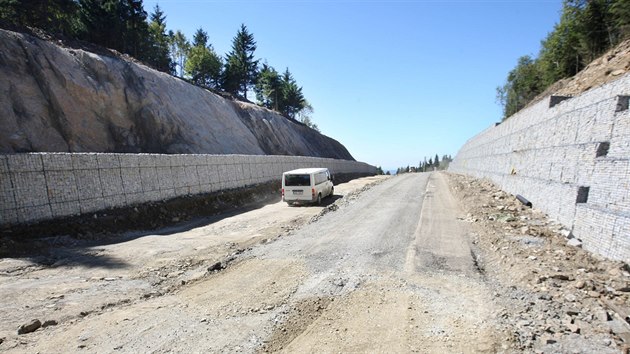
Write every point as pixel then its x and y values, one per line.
pixel 394 81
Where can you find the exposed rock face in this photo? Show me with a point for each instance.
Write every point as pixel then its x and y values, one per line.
pixel 69 100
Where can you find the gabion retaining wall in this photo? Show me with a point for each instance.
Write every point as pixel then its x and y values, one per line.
pixel 41 186
pixel 571 158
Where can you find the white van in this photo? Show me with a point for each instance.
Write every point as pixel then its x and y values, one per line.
pixel 306 185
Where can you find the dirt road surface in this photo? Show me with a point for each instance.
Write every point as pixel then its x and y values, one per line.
pixel 390 270
pixel 388 265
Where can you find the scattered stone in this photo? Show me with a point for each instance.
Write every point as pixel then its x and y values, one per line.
pixel 570 297
pixel 566 233
pixel 339 282
pixel 573 328
pixel 216 267
pixel 579 284
pixel 49 323
pixel 29 327
pixel 573 312
pixel 574 242
pixel 560 277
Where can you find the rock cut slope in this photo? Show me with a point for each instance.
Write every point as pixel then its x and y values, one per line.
pixel 60 99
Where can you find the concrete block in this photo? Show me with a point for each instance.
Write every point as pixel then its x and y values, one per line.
pixel 114 201
pixel 4 164
pixel 152 195
pixel 34 213
pixel 91 205
pixel 62 186
pixel 147 160
pixel 131 180
pixel 247 173
pixel 205 188
pixel 166 194
pixel 619 147
pixel 212 160
pixel 129 160
pixel 29 189
pixel 213 174
pixel 237 172
pixel 57 162
pixel 161 160
pixel 135 198
pixel 88 184
pixel 7 198
pixel 25 162
pixel 107 161
pixel 175 160
pixel 179 176
pixel 191 178
pixel 9 217
pixel 203 175
pixel 149 179
pixel 65 209
pixel 111 182
pixel 223 173
pixel 182 191
pixel 83 161
pixel 164 177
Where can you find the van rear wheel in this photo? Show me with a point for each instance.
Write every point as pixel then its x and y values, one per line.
pixel 319 199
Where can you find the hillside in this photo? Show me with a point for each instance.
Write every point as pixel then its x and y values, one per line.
pixel 608 67
pixel 60 99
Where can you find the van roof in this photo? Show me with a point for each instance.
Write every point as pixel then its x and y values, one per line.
pixel 305 171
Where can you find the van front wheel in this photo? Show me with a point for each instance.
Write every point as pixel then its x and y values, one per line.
pixel 332 191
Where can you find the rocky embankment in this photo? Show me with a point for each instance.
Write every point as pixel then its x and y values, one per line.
pixel 556 296
pixel 60 99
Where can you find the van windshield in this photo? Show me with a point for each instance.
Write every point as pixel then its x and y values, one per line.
pixel 297 180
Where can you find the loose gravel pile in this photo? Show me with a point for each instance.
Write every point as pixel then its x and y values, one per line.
pixel 556 296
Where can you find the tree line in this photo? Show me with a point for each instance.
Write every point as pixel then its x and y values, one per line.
pixel 124 25
pixel 587 28
pixel 433 164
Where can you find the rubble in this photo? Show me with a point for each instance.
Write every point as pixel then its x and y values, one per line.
pixel 558 297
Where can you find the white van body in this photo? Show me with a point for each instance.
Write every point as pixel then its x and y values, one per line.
pixel 306 185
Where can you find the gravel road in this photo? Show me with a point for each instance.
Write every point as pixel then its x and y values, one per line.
pixel 390 270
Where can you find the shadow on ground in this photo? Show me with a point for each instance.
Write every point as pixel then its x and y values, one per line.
pixel 70 241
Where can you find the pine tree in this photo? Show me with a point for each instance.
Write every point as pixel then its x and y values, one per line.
pixel 268 88
pixel 56 16
pixel 159 43
pixel 240 67
pixel 200 38
pixel 136 29
pixel 102 23
pixel 293 100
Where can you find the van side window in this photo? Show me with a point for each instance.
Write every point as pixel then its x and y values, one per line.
pixel 320 178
